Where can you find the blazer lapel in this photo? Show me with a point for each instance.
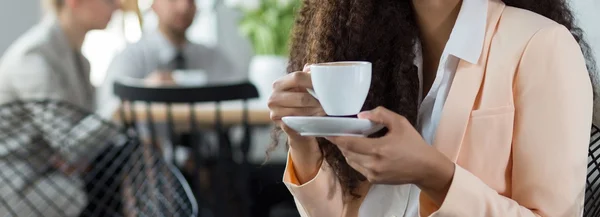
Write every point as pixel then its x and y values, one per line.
pixel 463 92
pixel 65 66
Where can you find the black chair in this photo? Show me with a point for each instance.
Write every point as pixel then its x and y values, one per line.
pixel 226 169
pixel 59 160
pixel 592 190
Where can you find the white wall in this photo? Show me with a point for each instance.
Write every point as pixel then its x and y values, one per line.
pixel 588 14
pixel 16 16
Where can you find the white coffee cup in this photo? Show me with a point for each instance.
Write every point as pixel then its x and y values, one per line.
pixel 341 87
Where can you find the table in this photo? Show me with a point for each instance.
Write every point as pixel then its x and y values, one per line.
pixel 231 113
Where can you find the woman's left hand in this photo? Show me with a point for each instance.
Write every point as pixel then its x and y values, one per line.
pixel 399 157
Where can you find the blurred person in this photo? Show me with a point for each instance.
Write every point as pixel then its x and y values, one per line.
pixel 161 52
pixel 46 63
pixel 156 57
pixel 487 105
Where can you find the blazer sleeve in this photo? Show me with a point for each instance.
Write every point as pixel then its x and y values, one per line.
pixel 319 197
pixel 33 78
pixel 553 112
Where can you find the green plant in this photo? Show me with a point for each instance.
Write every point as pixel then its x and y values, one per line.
pixel 268 26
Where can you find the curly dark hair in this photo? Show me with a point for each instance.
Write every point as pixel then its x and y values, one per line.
pixel 385 33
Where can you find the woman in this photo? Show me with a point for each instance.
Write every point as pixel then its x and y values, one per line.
pixel 46 63
pixel 494 120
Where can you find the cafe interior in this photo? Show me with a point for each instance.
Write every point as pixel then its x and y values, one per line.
pixel 173 131
pixel 195 144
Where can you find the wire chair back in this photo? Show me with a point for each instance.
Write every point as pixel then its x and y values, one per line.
pixel 592 190
pixel 59 160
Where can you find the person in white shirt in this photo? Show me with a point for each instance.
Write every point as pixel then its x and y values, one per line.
pixel 46 64
pixel 160 52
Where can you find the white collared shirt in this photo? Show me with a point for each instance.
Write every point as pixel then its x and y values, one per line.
pixel 466 43
pixel 154 52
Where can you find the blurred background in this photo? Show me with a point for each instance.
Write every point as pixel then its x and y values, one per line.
pixel 253 36
pixel 217 24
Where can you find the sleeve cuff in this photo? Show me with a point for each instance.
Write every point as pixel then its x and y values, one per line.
pixel 321 196
pixel 290 178
pixel 465 191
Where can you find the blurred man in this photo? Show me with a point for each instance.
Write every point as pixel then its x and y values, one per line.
pixel 46 63
pixel 161 52
pixel 166 49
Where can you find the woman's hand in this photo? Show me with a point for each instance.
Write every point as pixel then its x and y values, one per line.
pixel 290 98
pixel 400 157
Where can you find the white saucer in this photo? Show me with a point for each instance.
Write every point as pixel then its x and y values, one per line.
pixel 331 126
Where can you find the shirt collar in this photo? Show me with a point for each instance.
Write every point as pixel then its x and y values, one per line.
pixel 468 35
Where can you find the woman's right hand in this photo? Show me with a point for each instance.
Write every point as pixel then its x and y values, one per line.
pixel 290 98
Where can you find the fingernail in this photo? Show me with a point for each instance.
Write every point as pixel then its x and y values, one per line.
pixel 306 67
pixel 364 114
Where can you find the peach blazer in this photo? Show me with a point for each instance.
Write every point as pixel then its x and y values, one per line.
pixel 517 125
